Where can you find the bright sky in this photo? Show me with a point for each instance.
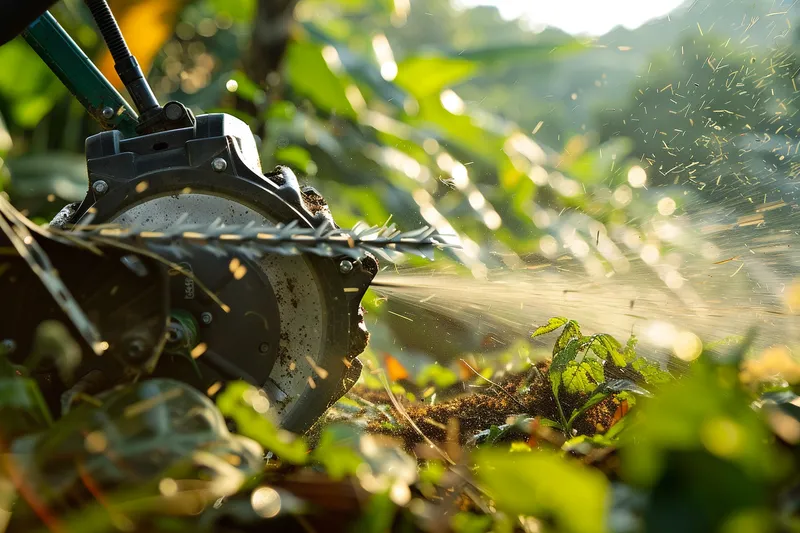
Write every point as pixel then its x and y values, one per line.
pixel 593 17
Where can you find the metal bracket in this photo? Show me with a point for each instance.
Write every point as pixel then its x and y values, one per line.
pixel 77 72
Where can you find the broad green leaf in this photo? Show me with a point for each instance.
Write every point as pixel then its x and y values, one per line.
pixel 560 362
pixel 608 348
pixel 545 485
pixel 460 129
pixel 311 77
pixel 364 71
pixel 295 157
pixel 23 405
pixel 423 76
pixel 552 325
pixel 571 331
pixel 651 371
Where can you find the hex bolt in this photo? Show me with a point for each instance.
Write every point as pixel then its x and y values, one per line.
pixel 100 187
pixel 206 318
pixel 263 347
pixel 219 164
pixel 108 113
pixel 346 266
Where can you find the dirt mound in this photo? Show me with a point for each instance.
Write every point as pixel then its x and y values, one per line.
pixel 528 393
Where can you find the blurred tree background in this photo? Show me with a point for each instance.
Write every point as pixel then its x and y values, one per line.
pixel 521 142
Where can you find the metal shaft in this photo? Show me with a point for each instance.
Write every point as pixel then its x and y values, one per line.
pixel 125 64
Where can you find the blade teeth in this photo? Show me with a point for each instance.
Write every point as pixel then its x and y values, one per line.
pixel 254 241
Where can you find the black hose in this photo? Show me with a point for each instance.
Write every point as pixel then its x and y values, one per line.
pixel 125 64
pixel 109 30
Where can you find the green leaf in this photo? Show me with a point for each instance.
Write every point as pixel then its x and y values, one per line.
pixel 544 485
pixel 233 404
pixel 608 348
pixel 426 75
pixel 464 522
pixel 22 406
pixel 582 377
pixel 295 157
pixel 423 76
pixel 460 129
pixel 651 371
pixel 377 515
pixel 571 331
pixel 552 325
pixel 560 362
pixel 432 472
pixel 630 349
pixel 311 77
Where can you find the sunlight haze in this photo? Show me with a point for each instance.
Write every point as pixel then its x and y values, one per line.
pixel 580 16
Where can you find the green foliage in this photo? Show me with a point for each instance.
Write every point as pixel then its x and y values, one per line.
pixel 335 451
pixel 236 403
pixel 426 76
pixel 439 376
pixel 523 484
pixel 470 523
pixel 311 77
pixel 700 436
pixel 578 366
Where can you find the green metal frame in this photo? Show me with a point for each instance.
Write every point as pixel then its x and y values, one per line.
pixel 77 72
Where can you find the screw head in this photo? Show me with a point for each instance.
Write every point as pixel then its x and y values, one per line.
pixel 108 113
pixel 206 318
pixel 219 164
pixel 100 187
pixel 263 347
pixel 346 266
